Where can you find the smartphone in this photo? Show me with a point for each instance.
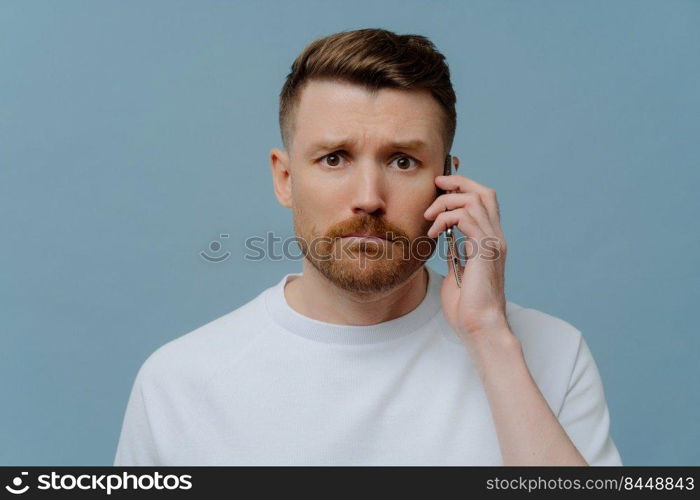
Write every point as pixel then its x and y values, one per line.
pixel 452 251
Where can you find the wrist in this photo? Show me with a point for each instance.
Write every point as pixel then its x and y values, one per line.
pixel 495 349
pixel 493 319
pixel 497 339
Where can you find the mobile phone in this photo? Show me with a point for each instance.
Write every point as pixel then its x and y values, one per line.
pixel 452 251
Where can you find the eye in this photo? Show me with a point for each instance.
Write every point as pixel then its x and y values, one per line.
pixel 332 161
pixel 334 158
pixel 404 164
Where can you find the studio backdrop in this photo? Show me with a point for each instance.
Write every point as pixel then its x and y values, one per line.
pixel 134 163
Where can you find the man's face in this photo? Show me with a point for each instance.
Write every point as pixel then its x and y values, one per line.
pixel 353 170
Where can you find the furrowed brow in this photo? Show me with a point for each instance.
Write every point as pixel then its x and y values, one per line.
pixel 332 145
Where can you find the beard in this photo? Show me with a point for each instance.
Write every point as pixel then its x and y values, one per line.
pixel 365 267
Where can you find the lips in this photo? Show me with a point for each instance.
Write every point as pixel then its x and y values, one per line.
pixel 366 235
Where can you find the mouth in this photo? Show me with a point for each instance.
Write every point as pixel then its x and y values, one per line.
pixel 367 236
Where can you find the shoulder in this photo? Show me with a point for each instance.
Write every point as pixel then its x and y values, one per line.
pixel 196 356
pixel 541 330
pixel 551 346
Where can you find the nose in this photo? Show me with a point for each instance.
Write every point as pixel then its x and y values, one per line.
pixel 368 191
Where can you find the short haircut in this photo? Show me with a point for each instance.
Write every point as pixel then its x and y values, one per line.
pixel 374 58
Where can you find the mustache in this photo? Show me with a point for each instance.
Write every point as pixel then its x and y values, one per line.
pixel 374 226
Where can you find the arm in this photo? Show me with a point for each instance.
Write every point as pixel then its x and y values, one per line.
pixel 584 413
pixel 136 442
pixel 529 433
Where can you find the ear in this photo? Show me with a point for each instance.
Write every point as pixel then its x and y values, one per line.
pixel 281 177
pixel 456 162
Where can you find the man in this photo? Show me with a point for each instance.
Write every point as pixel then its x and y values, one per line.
pixel 369 357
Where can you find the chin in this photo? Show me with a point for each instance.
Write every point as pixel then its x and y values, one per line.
pixel 368 275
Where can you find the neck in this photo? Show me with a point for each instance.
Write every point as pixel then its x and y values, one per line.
pixel 314 296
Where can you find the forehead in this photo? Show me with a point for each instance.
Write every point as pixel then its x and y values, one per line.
pixel 330 109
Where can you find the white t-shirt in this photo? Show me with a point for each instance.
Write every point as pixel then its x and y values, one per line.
pixel 265 385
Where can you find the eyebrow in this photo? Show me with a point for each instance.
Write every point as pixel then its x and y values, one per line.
pixel 324 145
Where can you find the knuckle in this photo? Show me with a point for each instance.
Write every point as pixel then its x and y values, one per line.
pixel 471 200
pixel 440 218
pixel 472 197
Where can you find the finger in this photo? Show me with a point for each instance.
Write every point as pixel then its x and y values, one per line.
pixel 472 202
pixel 466 223
pixel 464 184
pixel 444 202
pixel 480 212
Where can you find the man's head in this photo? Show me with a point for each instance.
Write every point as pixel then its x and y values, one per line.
pixel 366 118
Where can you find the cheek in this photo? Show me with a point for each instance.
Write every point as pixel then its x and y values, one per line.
pixel 415 199
pixel 318 201
pixel 408 208
pixel 313 207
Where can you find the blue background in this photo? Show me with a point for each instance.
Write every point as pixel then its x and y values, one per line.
pixel 134 133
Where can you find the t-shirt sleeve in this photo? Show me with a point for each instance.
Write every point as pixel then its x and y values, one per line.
pixel 584 413
pixel 136 442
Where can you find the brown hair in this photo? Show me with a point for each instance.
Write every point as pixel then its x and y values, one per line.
pixel 374 58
